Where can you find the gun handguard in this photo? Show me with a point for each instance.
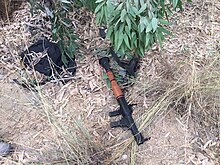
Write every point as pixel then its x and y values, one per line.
pixel 125 109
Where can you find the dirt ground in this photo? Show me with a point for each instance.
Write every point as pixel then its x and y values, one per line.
pixel 31 133
pixel 66 124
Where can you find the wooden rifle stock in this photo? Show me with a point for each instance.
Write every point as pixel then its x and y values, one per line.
pixel 125 109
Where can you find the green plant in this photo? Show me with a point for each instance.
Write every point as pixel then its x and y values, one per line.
pixel 61 28
pixel 135 25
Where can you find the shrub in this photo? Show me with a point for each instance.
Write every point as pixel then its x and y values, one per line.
pixel 135 25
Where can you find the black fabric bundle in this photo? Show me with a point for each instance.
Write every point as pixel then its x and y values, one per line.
pixel 49 63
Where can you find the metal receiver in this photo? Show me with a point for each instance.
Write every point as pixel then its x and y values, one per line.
pixel 125 110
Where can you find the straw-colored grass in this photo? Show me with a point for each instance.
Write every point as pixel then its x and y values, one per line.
pixel 176 90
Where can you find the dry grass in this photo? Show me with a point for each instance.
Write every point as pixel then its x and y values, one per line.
pixel 68 124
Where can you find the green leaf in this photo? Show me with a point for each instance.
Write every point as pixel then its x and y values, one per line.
pixel 135 10
pixel 136 2
pixel 133 40
pixel 117 24
pixel 119 7
pixel 110 6
pixel 160 37
pixel 179 5
pixel 141 37
pixel 122 48
pixel 149 28
pixel 109 32
pixel 141 27
pixel 106 14
pixel 143 8
pixel 116 36
pixel 123 14
pixel 127 41
pixel 131 12
pixel 164 22
pixel 128 21
pixel 147 40
pixel 98 19
pixel 120 40
pixel 102 14
pixel 121 28
pixel 128 6
pixel 154 24
pixel 175 3
pixel 161 29
pixel 98 8
pixel 143 24
pixel 143 20
pixel 71 49
pixel 127 30
pixel 141 49
pixel 112 38
pixel 141 2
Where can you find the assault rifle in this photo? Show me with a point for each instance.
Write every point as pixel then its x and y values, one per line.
pixel 125 110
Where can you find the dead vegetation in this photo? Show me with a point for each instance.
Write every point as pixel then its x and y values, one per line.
pixel 7 7
pixel 177 94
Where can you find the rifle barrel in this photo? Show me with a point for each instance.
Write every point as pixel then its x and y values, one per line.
pixel 125 110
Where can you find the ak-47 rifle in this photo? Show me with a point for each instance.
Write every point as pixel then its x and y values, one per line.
pixel 125 109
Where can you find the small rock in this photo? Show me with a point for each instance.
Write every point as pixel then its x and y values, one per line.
pixel 5 148
pixel 124 157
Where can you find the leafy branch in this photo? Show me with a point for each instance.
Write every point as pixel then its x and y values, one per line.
pixel 135 25
pixel 61 25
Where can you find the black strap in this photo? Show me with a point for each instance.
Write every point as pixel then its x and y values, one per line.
pixel 131 66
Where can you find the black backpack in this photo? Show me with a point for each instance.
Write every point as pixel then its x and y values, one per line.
pixel 48 63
